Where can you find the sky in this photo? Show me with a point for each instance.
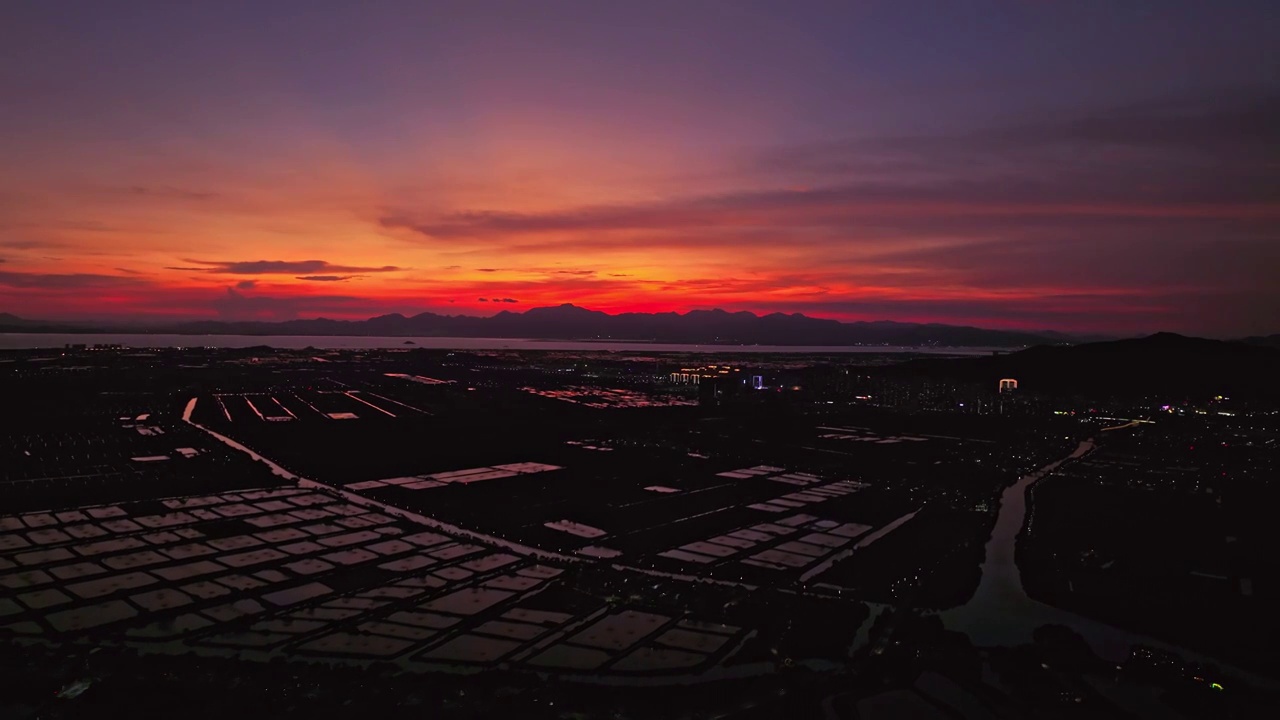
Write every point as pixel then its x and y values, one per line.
pixel 1089 166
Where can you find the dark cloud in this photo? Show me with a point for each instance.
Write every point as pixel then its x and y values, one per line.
pixel 1065 195
pixel 278 267
pixel 29 244
pixel 171 193
pixel 1102 258
pixel 1219 122
pixel 1178 199
pixel 236 305
pixel 488 270
pixel 482 223
pixel 326 278
pixel 1243 124
pixel 482 299
pixel 71 281
pixel 1210 148
pixel 1189 158
pixel 246 284
pixel 832 207
pixel 506 300
pixel 579 273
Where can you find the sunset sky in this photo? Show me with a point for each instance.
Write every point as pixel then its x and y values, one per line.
pixel 1099 165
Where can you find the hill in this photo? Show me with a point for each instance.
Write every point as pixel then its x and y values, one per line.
pixel 15 324
pixel 1164 365
pixel 1263 340
pixel 570 322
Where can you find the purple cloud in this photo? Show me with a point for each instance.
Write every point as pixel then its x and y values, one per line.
pixel 171 193
pixel 278 267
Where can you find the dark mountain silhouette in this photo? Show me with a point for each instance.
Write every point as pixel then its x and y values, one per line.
pixel 1263 340
pixel 1162 365
pixel 570 322
pixel 7 319
pixel 13 323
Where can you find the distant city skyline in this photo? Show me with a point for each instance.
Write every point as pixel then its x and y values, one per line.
pixel 1082 167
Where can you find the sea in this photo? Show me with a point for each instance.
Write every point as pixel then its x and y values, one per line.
pixel 28 341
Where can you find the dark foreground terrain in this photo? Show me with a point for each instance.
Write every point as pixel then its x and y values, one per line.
pixel 536 535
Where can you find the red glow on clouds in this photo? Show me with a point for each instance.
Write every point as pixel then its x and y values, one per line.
pixel 641 157
pixel 274 299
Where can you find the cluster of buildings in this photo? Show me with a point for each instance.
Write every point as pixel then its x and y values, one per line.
pixel 717 383
pixel 716 374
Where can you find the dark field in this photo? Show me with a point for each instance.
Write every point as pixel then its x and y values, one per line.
pixel 467 524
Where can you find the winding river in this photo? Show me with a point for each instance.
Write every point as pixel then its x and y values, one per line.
pixel 1000 613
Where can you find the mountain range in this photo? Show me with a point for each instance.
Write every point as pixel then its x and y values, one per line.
pixel 570 322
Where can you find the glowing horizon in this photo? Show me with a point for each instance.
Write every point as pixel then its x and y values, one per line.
pixel 295 161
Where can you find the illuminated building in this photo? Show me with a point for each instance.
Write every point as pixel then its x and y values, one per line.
pixel 1008 385
pixel 696 376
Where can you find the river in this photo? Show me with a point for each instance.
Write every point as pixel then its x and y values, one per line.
pixel 1000 613
pixel 1001 585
